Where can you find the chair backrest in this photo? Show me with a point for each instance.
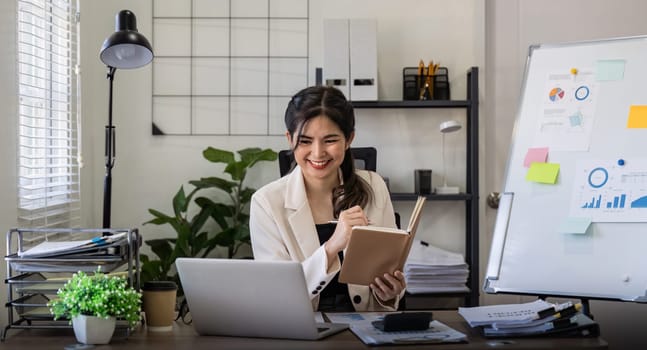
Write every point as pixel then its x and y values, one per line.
pixel 365 158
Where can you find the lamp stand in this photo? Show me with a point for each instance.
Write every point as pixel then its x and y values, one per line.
pixel 109 154
pixel 445 189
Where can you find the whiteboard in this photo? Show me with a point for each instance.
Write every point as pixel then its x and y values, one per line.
pixel 586 102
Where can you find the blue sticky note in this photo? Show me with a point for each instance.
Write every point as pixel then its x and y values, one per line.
pixel 575 225
pixel 609 70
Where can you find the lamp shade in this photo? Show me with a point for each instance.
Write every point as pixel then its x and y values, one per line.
pixel 126 48
pixel 449 126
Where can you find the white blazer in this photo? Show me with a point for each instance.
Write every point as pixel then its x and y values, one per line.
pixel 282 228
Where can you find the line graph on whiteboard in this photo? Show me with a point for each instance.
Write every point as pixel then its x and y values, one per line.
pixel 610 191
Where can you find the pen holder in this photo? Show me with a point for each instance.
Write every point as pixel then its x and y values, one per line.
pixel 414 85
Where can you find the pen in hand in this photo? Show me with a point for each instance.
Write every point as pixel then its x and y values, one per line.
pixel 336 221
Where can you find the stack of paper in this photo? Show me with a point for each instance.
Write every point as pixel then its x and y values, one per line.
pixel 430 269
pixel 534 318
pixel 361 325
pixel 60 248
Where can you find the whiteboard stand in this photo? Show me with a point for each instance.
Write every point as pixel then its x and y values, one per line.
pixel 578 102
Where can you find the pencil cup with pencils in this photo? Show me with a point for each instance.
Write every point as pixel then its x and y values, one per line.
pixel 419 84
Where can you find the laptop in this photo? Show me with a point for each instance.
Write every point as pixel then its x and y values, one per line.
pixel 250 298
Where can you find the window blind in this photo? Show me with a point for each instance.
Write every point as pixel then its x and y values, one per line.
pixel 48 109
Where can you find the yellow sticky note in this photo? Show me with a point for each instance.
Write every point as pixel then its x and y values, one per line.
pixel 637 117
pixel 545 173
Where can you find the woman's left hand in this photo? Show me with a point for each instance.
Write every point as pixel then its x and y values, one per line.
pixel 389 286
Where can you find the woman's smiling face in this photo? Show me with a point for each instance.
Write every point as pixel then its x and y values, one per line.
pixel 320 148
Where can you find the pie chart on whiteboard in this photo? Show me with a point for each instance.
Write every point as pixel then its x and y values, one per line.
pixel 556 94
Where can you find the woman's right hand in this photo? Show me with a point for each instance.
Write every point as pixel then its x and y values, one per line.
pixel 347 219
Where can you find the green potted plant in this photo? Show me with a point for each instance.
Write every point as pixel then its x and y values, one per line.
pixel 93 302
pixel 196 234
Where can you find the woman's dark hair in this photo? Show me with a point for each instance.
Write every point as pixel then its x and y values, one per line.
pixel 329 102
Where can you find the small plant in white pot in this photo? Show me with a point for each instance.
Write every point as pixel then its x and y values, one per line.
pixel 93 302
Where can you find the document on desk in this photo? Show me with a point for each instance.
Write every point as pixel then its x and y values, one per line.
pixel 505 313
pixel 360 325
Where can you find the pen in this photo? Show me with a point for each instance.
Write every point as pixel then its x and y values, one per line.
pixel 336 221
pixel 431 71
pixel 420 78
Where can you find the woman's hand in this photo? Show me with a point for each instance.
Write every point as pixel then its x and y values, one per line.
pixel 389 286
pixel 347 219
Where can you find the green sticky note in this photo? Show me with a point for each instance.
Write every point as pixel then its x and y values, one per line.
pixel 609 70
pixel 545 173
pixel 575 225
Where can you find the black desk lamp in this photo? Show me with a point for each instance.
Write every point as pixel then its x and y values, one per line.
pixel 126 48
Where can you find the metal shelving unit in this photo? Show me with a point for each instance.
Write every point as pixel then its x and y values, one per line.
pixel 32 281
pixel 471 195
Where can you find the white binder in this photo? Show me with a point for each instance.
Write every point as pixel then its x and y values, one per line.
pixel 363 59
pixel 336 54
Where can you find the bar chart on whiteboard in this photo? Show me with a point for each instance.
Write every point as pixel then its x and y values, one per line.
pixel 610 190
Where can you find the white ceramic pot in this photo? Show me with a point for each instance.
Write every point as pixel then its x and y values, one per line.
pixel 93 330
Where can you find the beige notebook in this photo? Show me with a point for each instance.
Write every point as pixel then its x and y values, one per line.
pixel 373 251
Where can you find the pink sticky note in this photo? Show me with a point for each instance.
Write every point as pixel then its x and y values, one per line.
pixel 538 154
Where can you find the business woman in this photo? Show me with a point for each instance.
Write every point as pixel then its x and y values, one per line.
pixel 290 217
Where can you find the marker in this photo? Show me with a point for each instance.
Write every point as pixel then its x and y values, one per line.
pixel 561 323
pixel 546 312
pixel 554 314
pixel 568 312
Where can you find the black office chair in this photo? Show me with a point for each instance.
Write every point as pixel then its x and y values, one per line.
pixel 365 158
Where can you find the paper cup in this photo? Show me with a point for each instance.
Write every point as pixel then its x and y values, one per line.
pixel 159 305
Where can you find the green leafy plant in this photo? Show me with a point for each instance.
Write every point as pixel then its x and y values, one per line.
pixel 97 295
pixel 196 235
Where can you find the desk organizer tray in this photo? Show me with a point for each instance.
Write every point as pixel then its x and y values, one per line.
pixel 40 261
